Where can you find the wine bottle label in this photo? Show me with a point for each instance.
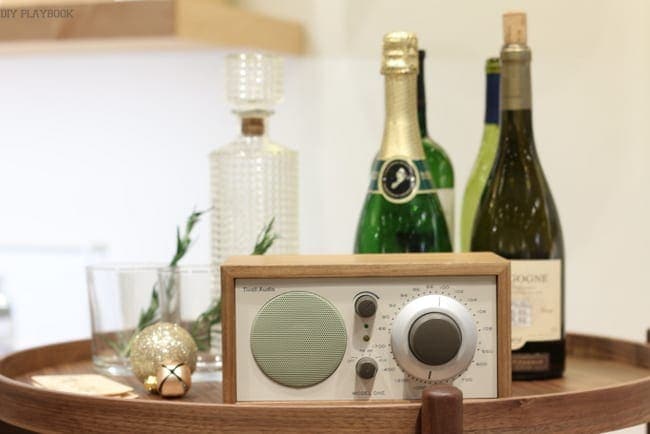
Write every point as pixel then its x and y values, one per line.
pixel 536 300
pixel 446 198
pixel 400 179
pixel 531 362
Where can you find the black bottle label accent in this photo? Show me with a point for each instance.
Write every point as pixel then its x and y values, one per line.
pixel 399 180
pixel 531 362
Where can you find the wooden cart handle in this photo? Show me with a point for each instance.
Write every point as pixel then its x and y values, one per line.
pixel 442 410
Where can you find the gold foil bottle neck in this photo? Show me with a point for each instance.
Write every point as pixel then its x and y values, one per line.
pixel 400 53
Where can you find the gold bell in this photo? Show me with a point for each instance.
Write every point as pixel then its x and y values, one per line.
pixel 151 384
pixel 174 379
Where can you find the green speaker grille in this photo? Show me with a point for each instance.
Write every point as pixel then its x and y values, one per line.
pixel 298 339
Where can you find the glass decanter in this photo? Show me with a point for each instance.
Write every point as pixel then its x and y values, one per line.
pixel 253 180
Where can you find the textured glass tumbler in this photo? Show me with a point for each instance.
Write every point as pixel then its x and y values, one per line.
pixel 187 299
pixel 119 296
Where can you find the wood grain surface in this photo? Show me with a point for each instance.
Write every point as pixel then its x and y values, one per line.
pixel 177 23
pixel 442 410
pixel 606 387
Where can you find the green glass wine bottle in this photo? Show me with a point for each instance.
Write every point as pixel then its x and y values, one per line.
pixel 401 212
pixel 485 159
pixel 518 220
pixel 438 162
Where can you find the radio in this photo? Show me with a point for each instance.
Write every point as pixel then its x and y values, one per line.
pixel 364 327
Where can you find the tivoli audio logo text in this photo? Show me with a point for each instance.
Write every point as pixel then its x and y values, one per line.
pixel 36 13
pixel 258 289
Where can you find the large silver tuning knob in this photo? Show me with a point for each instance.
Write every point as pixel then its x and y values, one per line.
pixel 434 338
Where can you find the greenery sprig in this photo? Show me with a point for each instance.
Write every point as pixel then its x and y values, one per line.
pixel 200 330
pixel 265 239
pixel 151 314
pixel 212 316
pixel 183 243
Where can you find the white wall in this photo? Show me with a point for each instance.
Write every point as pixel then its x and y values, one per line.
pixel 591 63
pixel 111 148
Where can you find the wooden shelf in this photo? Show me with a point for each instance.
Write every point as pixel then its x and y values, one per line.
pixel 606 387
pixel 136 24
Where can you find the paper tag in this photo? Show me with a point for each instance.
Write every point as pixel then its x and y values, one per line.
pixel 86 384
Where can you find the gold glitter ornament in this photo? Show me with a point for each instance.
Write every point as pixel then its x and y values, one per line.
pixel 159 343
pixel 174 379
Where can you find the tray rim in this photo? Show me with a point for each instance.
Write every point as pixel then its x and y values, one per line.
pixel 633 408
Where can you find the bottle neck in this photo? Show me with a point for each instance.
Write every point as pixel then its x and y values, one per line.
pixel 492 98
pixel 516 133
pixel 515 78
pixel 253 123
pixel 516 126
pixel 422 101
pixel 401 127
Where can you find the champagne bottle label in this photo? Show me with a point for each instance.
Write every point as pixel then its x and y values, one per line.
pixel 400 179
pixel 536 301
pixel 446 197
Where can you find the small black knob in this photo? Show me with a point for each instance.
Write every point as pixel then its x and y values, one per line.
pixel 366 368
pixel 365 306
pixel 435 339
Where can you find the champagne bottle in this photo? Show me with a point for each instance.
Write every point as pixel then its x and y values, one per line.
pixel 517 219
pixel 485 159
pixel 401 212
pixel 438 163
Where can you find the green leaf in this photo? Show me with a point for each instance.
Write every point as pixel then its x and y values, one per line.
pixel 200 330
pixel 265 239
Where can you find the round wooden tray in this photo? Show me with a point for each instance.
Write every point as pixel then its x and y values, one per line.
pixel 606 387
